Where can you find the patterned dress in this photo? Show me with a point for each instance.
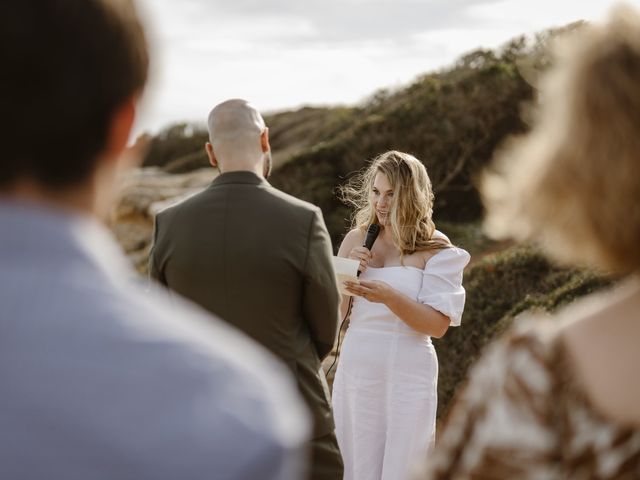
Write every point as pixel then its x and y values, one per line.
pixel 524 416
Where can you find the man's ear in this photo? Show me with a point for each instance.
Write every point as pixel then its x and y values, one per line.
pixel 264 140
pixel 212 156
pixel 120 128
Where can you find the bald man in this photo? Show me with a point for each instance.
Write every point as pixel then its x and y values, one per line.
pixel 259 259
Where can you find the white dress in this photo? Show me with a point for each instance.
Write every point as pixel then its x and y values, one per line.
pixel 385 388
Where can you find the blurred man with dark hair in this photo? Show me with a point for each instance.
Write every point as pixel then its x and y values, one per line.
pixel 101 380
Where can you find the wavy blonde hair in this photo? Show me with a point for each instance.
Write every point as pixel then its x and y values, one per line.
pixel 573 183
pixel 411 225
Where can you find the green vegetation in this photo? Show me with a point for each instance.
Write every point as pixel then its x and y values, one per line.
pixel 452 120
pixel 499 287
pixel 471 237
pixel 179 148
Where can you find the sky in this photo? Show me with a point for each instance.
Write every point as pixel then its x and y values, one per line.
pixel 283 54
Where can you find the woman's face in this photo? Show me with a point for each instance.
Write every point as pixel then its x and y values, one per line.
pixel 381 197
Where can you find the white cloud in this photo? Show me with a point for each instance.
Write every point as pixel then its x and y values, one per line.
pixel 285 53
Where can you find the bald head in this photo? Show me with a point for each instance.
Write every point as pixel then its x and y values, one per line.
pixel 238 136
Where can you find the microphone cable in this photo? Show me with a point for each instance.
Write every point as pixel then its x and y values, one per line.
pixel 346 316
pixel 372 234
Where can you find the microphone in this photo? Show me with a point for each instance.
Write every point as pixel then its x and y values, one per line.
pixel 372 234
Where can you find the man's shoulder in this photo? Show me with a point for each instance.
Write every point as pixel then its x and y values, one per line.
pixel 192 375
pixel 290 201
pixel 277 197
pixel 112 321
pixel 216 361
pixel 111 318
pixel 186 327
pixel 171 208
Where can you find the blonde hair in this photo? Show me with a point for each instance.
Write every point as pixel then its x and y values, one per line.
pixel 573 183
pixel 411 225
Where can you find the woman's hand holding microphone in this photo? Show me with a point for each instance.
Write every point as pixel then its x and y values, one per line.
pixel 363 255
pixel 371 290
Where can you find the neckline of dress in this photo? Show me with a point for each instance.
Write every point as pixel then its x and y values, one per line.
pixel 396 266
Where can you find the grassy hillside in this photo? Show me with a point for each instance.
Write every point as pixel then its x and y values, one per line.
pixel 499 287
pixel 179 148
pixel 452 120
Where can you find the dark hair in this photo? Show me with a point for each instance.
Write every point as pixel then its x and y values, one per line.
pixel 65 67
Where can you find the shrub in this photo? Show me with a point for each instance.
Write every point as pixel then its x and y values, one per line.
pixel 499 287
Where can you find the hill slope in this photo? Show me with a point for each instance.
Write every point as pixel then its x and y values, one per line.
pixel 452 120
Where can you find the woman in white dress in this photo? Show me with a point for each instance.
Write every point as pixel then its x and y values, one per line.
pixel 410 289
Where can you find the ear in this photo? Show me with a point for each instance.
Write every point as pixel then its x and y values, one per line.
pixel 212 156
pixel 264 140
pixel 120 128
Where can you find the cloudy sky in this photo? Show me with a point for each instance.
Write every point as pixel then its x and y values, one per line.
pixel 282 54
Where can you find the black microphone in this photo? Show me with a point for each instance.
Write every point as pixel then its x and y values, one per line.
pixel 372 234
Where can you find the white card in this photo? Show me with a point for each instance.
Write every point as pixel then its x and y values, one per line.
pixel 346 269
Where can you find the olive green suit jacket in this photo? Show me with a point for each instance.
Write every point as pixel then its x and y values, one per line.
pixel 261 260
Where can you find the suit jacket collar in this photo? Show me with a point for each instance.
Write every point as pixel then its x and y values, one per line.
pixel 239 177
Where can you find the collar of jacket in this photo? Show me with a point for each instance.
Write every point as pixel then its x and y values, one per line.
pixel 243 176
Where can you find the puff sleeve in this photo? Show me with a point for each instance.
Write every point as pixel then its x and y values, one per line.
pixel 442 283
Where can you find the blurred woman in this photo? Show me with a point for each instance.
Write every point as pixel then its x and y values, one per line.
pixel 561 399
pixel 410 289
